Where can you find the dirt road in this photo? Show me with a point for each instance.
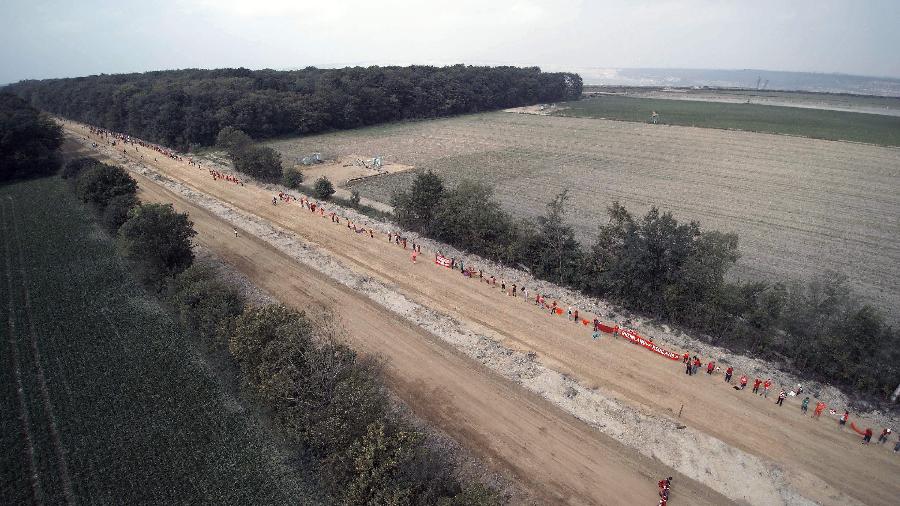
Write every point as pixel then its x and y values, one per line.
pixel 559 457
pixel 822 463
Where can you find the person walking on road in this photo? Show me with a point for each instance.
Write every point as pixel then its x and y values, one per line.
pixel 804 405
pixel 843 420
pixel 867 436
pixel 820 406
pixel 885 434
pixel 710 367
pixel 756 383
pixel 766 386
pixel 743 381
pixel 781 397
pixel 728 373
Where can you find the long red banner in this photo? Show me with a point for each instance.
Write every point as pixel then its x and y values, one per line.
pixel 636 338
pixel 442 260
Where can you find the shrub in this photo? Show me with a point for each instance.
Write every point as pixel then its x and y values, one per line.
pixel 73 167
pixel 291 178
pixel 100 183
pixel 261 162
pixel 204 303
pixel 157 240
pixel 323 188
pixel 354 198
pixel 116 211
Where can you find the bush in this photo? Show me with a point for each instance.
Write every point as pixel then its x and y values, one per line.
pixel 354 198
pixel 116 211
pixel 74 167
pixel 99 183
pixel 261 162
pixel 323 188
pixel 334 405
pixel 205 304
pixel 157 240
pixel 292 178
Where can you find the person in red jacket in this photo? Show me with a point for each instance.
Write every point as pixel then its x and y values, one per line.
pixel 743 381
pixel 766 386
pixel 710 367
pixel 756 383
pixel 867 437
pixel 685 358
pixel 696 366
pixel 728 373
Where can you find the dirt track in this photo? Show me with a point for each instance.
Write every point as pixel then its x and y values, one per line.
pixel 542 445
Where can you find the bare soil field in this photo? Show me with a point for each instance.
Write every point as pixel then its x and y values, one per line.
pixel 580 421
pixel 799 205
pixel 346 168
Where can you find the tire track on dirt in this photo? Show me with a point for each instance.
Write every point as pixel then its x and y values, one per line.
pixel 58 449
pixel 37 491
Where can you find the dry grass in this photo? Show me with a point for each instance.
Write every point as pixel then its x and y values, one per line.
pixel 799 205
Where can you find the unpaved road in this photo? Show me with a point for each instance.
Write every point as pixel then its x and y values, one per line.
pixel 561 459
pixel 540 444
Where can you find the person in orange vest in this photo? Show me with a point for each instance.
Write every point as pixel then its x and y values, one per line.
pixel 820 406
pixel 728 373
pixel 756 383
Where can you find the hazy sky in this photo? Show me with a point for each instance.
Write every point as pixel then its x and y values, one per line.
pixel 40 39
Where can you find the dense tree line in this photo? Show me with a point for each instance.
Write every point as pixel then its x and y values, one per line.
pixel 674 272
pixel 29 141
pixel 181 108
pixel 155 238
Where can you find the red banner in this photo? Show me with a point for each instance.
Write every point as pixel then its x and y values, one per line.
pixel 857 429
pixel 636 338
pixel 607 328
pixel 442 260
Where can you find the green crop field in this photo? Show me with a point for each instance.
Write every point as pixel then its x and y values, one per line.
pixel 818 124
pixel 103 400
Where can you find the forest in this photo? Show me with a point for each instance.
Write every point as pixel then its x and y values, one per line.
pixel 187 108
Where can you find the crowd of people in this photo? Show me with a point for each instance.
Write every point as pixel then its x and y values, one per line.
pixel 114 137
pixel 216 175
